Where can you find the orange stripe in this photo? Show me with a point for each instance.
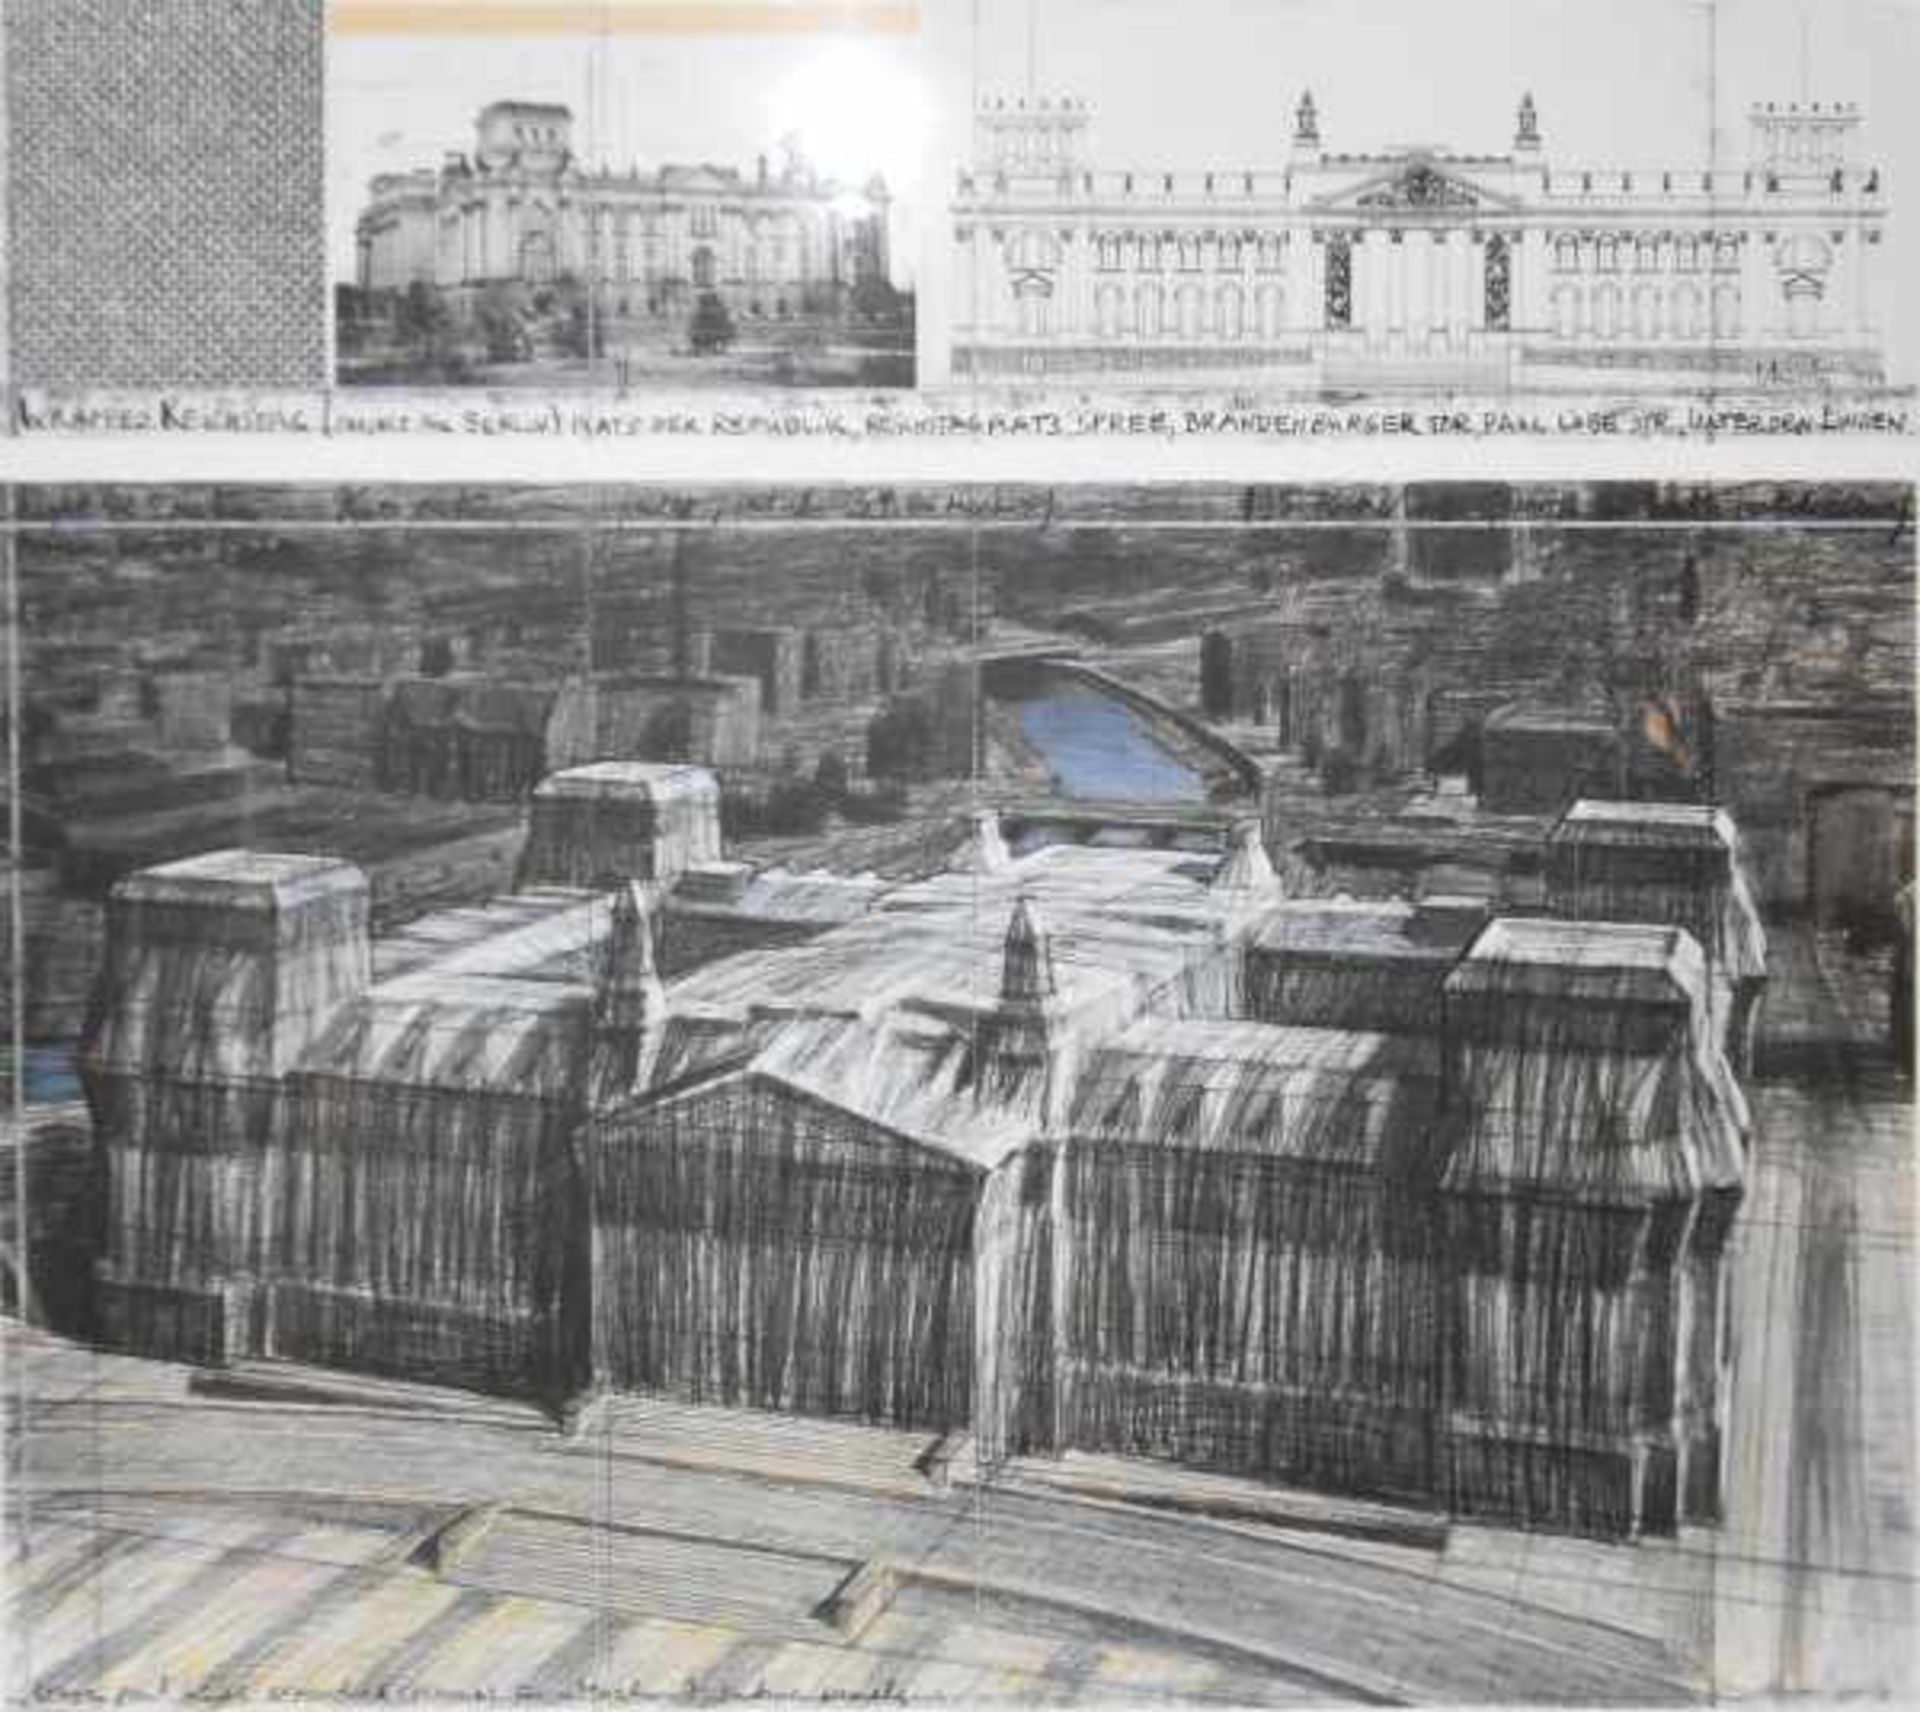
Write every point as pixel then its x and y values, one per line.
pixel 620 17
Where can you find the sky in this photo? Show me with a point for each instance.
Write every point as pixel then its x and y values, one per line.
pixel 856 103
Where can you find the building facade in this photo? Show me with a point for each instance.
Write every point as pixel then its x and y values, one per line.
pixel 523 210
pixel 1418 265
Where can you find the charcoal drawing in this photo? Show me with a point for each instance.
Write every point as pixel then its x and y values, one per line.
pixel 1179 1093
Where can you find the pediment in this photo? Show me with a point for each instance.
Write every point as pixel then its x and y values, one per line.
pixel 701 178
pixel 1416 185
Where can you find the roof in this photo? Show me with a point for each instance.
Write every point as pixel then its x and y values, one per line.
pixel 1592 821
pixel 545 933
pixel 1368 929
pixel 1119 922
pixel 472 1034
pixel 655 781
pixel 1327 1096
pixel 1600 960
pixel 728 889
pixel 1122 927
pixel 259 880
pixel 1550 719
pixel 906 1073
pixel 494 998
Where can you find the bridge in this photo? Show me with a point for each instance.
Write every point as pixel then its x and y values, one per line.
pixel 1026 819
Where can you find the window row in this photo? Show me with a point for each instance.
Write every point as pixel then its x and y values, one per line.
pixel 1152 311
pixel 1609 254
pixel 1190 253
pixel 1646 312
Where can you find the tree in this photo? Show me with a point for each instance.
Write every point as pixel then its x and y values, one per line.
pixel 576 334
pixel 830 776
pixel 873 298
pixel 500 327
pixel 421 317
pixel 425 325
pixel 900 742
pixel 436 657
pixel 711 328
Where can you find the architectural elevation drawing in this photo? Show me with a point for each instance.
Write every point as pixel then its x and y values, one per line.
pixel 1710 248
pixel 1180 1094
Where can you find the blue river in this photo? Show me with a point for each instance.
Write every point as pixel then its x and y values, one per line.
pixel 1098 748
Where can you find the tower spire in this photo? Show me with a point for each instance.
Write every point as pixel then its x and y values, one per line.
pixel 1026 970
pixel 1527 132
pixel 632 1002
pixel 1306 121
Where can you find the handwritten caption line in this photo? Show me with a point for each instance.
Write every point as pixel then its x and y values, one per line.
pixel 333 419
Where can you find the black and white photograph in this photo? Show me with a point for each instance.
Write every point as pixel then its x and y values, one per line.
pixel 1492 198
pixel 636 198
pixel 1281 1095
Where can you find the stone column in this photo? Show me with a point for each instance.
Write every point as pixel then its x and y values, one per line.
pixel 1379 307
pixel 1394 255
pixel 1469 310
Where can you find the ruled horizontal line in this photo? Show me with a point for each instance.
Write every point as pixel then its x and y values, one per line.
pixel 622 17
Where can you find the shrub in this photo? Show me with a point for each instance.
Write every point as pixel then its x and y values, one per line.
pixel 711 328
pixel 901 742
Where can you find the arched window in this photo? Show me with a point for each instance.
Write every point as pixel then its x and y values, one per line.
pixel 1726 312
pixel 1684 312
pixel 1146 311
pixel 1033 314
pixel 1191 308
pixel 1607 255
pixel 1646 312
pixel 1606 311
pixel 1271 255
pixel 536 258
pixel 1109 252
pixel 1229 312
pixel 1227 258
pixel 1686 254
pixel 1270 307
pixel 1189 252
pixel 1646 255
pixel 703 267
pixel 1106 311
pixel 1566 312
pixel 1566 253
pixel 1726 253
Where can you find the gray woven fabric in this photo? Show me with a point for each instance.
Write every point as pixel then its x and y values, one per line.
pixel 166 193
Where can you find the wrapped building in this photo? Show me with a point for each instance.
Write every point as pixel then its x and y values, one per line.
pixel 1106 1149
